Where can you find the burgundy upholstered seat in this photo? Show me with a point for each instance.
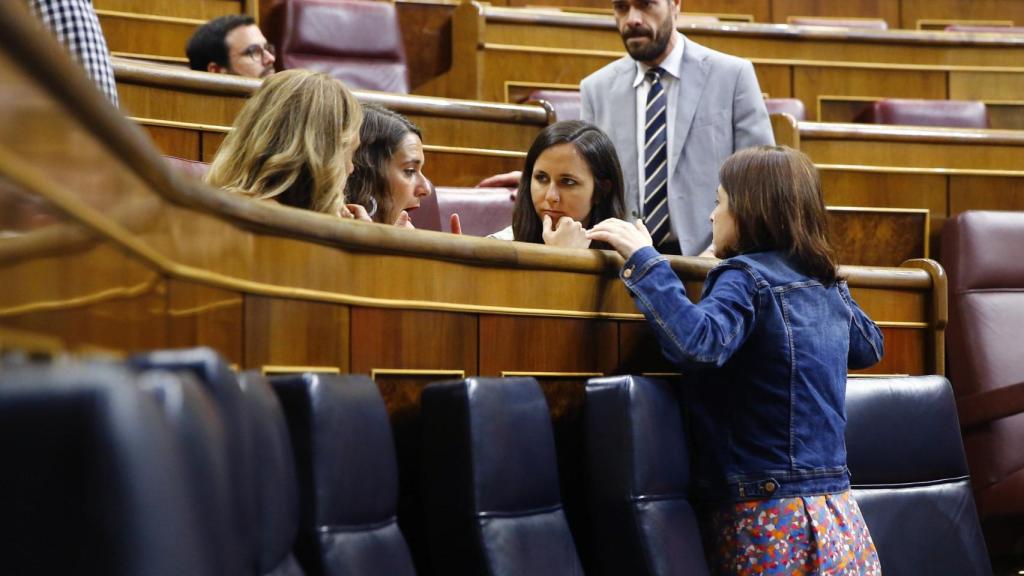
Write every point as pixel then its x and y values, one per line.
pixel 910 112
pixel 981 252
pixel 565 103
pixel 792 106
pixel 193 168
pixel 481 211
pixel 859 23
pixel 357 41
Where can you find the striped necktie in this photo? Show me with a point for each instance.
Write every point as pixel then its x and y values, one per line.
pixel 656 159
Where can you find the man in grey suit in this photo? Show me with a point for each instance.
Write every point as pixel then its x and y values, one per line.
pixel 675 111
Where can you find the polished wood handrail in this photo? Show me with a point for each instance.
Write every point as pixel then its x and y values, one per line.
pixel 755 29
pixel 880 132
pixel 44 60
pixel 986 407
pixel 160 75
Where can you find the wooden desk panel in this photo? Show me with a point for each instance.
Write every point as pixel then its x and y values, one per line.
pixel 157 37
pixel 914 11
pixel 195 9
pixel 887 10
pixel 281 332
pixel 199 315
pixel 188 114
pixel 944 171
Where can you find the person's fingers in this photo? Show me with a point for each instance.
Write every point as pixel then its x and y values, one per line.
pixel 640 225
pixel 403 220
pixel 455 224
pixel 547 223
pixel 611 225
pixel 564 220
pixel 359 212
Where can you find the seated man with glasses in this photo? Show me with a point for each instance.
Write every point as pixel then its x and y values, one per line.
pixel 231 44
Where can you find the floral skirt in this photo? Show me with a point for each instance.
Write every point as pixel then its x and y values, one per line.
pixel 792 536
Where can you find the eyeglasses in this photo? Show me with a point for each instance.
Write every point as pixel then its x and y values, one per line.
pixel 255 52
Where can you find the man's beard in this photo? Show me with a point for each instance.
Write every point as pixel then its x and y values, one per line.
pixel 653 49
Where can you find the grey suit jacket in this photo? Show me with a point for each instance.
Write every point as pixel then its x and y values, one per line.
pixel 720 110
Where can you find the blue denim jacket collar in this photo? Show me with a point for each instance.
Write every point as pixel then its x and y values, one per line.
pixel 765 353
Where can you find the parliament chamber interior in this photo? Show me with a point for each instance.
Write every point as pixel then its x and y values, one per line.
pixel 196 382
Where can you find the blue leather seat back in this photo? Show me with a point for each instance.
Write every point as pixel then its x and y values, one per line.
pixel 94 478
pixel 277 497
pixel 910 476
pixel 221 383
pixel 491 480
pixel 195 420
pixel 348 475
pixel 639 472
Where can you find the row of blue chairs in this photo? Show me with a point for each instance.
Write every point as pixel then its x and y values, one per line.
pixel 170 463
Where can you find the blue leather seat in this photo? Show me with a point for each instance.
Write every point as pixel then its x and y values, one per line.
pixel 491 481
pixel 94 478
pixel 910 477
pixel 199 427
pixel 639 473
pixel 262 496
pixel 273 473
pixel 348 476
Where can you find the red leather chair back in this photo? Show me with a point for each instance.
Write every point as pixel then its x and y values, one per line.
pixel 859 23
pixel 792 106
pixel 981 252
pixel 910 112
pixel 481 211
pixel 565 103
pixel 357 41
pixel 193 168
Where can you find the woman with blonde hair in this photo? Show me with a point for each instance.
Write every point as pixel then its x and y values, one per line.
pixel 292 142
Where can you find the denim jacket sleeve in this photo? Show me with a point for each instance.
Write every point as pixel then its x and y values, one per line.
pixel 692 335
pixel 866 343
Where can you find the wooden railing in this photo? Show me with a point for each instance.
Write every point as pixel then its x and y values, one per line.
pixel 131 256
pixel 188 114
pixel 909 14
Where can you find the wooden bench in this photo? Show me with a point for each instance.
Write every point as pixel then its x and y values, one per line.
pixel 188 114
pixel 494 50
pixel 907 14
pixel 943 170
pixel 159 29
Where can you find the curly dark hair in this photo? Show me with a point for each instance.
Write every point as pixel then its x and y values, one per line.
pixel 380 136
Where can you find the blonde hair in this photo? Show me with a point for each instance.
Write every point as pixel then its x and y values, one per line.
pixel 293 142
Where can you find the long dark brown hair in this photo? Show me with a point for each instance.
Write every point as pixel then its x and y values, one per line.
pixel 380 136
pixel 599 153
pixel 775 196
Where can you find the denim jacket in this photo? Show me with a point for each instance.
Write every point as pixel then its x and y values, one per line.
pixel 766 352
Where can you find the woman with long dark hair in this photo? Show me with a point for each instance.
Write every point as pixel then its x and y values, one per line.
pixel 571 181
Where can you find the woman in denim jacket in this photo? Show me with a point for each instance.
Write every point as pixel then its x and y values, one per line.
pixel 770 342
